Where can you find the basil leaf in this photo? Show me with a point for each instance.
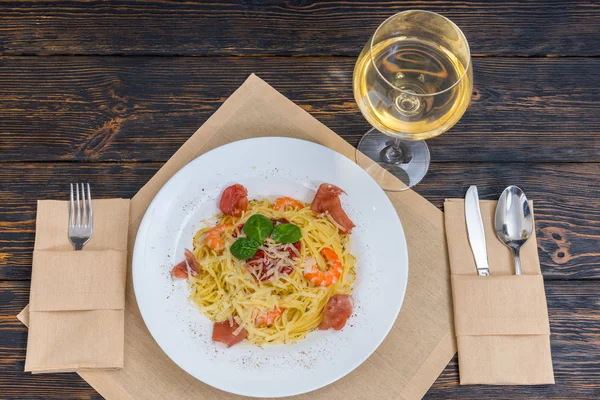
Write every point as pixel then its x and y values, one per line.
pixel 258 227
pixel 287 233
pixel 244 248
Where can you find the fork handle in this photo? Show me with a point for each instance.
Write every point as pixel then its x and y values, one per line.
pixel 78 246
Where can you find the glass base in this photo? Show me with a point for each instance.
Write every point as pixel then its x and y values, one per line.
pixel 407 160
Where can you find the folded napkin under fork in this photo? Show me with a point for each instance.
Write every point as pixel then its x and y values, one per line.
pixel 76 310
pixel 500 321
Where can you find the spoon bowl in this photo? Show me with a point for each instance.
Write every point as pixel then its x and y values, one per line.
pixel 514 221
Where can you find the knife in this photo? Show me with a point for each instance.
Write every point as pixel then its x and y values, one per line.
pixel 476 232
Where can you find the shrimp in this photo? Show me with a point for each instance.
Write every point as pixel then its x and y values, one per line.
pixel 283 202
pixel 267 318
pixel 329 277
pixel 214 237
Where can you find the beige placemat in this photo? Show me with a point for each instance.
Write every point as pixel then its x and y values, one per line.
pixel 421 342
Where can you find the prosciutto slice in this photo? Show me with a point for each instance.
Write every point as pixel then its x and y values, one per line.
pixel 326 200
pixel 224 332
pixel 180 271
pixel 337 311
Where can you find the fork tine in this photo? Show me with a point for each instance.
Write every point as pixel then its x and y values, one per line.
pixel 78 218
pixel 84 217
pixel 71 209
pixel 89 196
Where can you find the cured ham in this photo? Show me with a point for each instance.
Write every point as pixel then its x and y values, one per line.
pixel 337 311
pixel 326 200
pixel 180 271
pixel 234 200
pixel 225 332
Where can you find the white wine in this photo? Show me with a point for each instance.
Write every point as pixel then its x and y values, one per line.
pixel 412 81
pixel 406 87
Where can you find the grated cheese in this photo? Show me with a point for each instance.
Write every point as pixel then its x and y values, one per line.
pixel 228 289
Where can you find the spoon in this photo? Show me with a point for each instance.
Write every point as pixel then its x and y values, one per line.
pixel 514 222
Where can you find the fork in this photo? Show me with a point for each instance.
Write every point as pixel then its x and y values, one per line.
pixel 80 217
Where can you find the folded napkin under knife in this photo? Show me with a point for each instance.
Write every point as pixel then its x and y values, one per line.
pixel 77 299
pixel 501 321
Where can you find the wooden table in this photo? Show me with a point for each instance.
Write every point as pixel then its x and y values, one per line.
pixel 106 94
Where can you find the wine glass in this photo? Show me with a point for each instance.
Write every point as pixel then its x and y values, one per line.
pixel 412 81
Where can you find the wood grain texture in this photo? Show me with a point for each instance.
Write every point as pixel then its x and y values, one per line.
pixel 567 205
pixel 14 383
pixel 143 109
pixel 295 27
pixel 574 311
pixel 78 114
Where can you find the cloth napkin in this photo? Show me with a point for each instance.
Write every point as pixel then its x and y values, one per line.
pixel 501 320
pixel 76 309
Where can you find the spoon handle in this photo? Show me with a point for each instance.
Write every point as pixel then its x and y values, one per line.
pixel 517 256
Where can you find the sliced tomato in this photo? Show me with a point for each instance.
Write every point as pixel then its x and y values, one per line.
pixel 277 221
pixel 234 200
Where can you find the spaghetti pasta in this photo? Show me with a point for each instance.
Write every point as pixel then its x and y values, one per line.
pixel 284 307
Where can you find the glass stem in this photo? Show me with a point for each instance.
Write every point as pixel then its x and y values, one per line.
pixel 395 152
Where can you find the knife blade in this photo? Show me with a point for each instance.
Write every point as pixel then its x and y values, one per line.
pixel 476 232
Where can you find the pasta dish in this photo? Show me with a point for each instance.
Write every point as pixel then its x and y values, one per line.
pixel 271 272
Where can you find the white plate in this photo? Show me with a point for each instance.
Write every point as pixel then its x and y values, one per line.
pixel 268 167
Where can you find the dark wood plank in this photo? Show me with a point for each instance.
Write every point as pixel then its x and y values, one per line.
pixel 143 109
pixel 573 308
pixel 14 383
pixel 567 205
pixel 574 313
pixel 18 201
pixel 294 27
